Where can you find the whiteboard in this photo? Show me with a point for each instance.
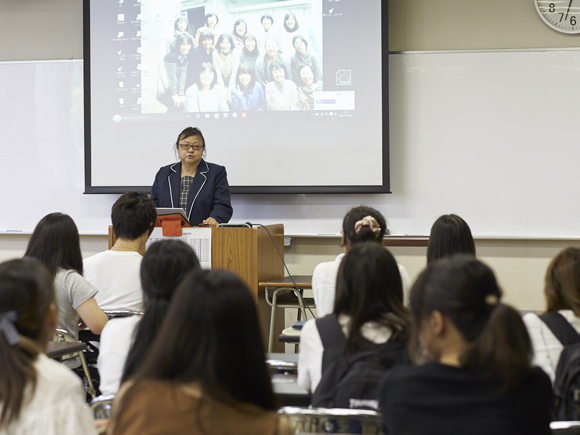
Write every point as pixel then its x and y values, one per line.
pixel 491 136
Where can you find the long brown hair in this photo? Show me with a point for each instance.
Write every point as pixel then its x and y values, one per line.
pixel 562 283
pixel 25 288
pixel 465 290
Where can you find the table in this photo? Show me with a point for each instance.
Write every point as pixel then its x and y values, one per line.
pixel 284 377
pixel 56 349
pixel 292 297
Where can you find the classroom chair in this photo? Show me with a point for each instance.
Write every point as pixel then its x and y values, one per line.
pixel 333 420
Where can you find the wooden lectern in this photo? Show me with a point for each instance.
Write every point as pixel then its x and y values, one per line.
pixel 251 254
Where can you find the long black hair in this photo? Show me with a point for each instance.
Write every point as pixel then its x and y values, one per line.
pixel 163 267
pixel 55 242
pixel 449 235
pixel 369 288
pixel 211 335
pixel 465 290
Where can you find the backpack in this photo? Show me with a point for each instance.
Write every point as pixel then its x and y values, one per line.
pixel 352 382
pixel 567 381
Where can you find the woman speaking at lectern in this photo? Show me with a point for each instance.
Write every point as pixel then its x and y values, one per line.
pixel 201 189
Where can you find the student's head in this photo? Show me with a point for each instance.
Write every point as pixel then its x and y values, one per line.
pixel 562 283
pixel 460 294
pixel 133 215
pixel 207 76
pixel 291 22
pixel 206 39
pixel 190 135
pixel 278 71
pixel 240 28
pixel 369 288
pixel 267 21
pixel 449 235
pixel 211 19
pixel 55 242
pixel 250 45
pixel 245 77
pixel 271 47
pixel 225 43
pixel 182 44
pixel 211 335
pixel 363 224
pixel 164 266
pixel 300 44
pixel 28 316
pixel 181 24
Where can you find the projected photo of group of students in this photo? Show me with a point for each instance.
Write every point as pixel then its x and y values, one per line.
pixel 256 65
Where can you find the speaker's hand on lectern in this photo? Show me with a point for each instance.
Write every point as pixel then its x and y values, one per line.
pixel 211 222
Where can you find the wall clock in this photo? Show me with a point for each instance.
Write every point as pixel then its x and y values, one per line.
pixel 560 15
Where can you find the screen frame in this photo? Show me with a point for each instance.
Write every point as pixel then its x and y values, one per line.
pixel 384 188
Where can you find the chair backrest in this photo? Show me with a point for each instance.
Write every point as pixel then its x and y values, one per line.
pixel 62 335
pixel 333 420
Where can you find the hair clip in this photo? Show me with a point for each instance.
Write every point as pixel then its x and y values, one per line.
pixel 7 321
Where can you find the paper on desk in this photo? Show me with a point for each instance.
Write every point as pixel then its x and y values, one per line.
pixel 198 238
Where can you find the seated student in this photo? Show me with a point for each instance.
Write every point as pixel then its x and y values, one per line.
pixel 562 292
pixel 449 235
pixel 163 267
pixel 478 379
pixel 205 373
pixel 38 396
pixel 116 272
pixel 360 224
pixel 55 242
pixel 368 310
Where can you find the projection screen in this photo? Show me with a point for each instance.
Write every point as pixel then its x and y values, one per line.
pixel 312 119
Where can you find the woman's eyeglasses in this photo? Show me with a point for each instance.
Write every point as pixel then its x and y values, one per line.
pixel 187 146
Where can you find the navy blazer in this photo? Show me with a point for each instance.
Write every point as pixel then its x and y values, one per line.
pixel 209 195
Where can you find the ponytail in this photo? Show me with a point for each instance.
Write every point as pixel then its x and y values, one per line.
pixel 363 224
pixel 26 293
pixel 465 291
pixel 503 350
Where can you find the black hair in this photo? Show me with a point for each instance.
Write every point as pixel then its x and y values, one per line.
pixel 449 235
pixel 278 64
pixel 164 266
pixel 176 46
pixel 201 340
pixel 256 51
pixel 55 242
pixel 236 24
pixel 365 234
pixel 266 16
pixel 230 40
pixel 133 215
pixel 245 69
pixel 465 290
pixel 26 287
pixel 211 14
pixel 369 288
pixel 206 34
pixel 296 27
pixel 302 39
pixel 205 66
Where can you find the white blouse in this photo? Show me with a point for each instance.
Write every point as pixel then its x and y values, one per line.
pixel 57 406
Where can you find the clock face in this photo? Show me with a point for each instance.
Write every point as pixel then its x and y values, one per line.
pixel 560 15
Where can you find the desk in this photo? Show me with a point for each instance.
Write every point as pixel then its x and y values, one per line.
pixel 283 367
pixel 56 349
pixel 283 293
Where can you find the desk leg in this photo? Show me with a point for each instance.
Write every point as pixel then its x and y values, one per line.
pixel 265 312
